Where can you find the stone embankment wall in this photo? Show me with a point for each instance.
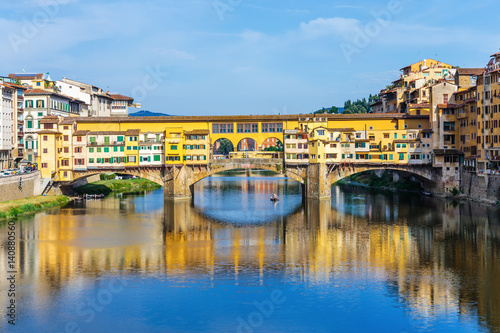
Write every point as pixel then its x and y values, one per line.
pixel 10 189
pixel 481 187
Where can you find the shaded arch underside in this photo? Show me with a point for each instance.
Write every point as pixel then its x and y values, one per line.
pixel 423 175
pixel 152 176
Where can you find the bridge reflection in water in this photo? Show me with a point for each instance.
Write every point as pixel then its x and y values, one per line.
pixel 444 259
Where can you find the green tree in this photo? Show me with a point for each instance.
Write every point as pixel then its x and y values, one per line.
pixel 278 147
pixel 334 110
pixel 225 146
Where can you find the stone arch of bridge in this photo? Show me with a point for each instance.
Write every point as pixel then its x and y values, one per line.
pixel 426 176
pixel 154 176
pixel 274 167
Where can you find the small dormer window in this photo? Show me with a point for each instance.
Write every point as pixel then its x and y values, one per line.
pixel 371 128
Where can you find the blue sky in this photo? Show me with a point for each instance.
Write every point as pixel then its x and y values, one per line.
pixel 206 57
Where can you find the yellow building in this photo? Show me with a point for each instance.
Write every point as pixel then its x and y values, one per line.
pixel 488 117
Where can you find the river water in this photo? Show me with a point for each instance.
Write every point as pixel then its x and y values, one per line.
pixel 232 261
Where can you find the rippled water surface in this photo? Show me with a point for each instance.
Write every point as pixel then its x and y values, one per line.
pixel 233 261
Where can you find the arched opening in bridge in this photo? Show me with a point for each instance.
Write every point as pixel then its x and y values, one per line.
pixel 222 147
pixel 389 179
pixel 247 144
pixel 272 144
pixel 112 181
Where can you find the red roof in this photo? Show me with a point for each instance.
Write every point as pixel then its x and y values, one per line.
pixel 470 71
pixel 119 97
pixel 15 85
pixel 37 91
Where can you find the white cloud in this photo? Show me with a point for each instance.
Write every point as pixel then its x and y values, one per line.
pixel 327 26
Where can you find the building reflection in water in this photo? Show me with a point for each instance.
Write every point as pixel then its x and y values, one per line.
pixel 441 259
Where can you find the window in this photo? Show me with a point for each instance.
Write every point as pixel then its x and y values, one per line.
pixel 157 158
pixel 45 150
pixel 92 139
pixel 401 156
pixel 119 138
pixel 45 138
pixel 222 128
pixel 321 132
pixel 173 147
pixel 66 150
pixel 106 149
pixel 78 139
pixel 272 127
pixel 99 149
pixel 449 125
pixel 66 138
pixel 30 124
pixel 91 150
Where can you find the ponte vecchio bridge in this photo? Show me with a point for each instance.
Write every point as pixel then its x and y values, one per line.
pixel 177 152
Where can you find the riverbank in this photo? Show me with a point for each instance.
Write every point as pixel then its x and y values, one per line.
pixel 118 186
pixel 15 208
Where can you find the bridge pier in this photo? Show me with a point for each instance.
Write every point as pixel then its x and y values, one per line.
pixel 317 185
pixel 179 187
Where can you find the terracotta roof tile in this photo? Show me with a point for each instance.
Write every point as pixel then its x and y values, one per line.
pixel 133 132
pixel 119 97
pixel 81 133
pixel 174 119
pixel 470 71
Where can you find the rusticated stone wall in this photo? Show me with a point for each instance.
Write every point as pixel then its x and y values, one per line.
pixel 481 187
pixel 10 189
